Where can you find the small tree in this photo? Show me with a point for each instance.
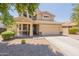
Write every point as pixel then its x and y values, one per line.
pixel 75 14
pixel 7 20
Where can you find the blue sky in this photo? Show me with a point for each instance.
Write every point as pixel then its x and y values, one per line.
pixel 62 11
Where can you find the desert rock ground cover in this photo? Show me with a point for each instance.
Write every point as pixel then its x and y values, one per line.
pixel 33 47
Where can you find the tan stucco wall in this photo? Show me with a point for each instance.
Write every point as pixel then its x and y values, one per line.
pixel 65 31
pixel 46 27
pixel 22 20
pixel 40 16
pixel 50 29
pixel 66 26
pixel 50 18
pixel 31 29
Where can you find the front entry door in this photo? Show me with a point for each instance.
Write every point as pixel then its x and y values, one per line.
pixel 35 29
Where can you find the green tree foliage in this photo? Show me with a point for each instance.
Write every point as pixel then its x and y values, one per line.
pixel 75 14
pixel 6 17
pixel 30 7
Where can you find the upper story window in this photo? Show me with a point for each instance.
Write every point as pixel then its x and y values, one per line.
pixel 46 16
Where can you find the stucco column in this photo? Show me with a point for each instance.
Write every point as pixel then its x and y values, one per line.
pixel 17 30
pixel 31 29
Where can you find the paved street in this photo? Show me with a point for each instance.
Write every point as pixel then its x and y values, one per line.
pixel 67 45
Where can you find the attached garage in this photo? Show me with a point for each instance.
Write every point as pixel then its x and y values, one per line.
pixel 50 29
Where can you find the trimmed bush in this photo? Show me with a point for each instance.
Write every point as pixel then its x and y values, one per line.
pixel 23 41
pixel 7 35
pixel 73 30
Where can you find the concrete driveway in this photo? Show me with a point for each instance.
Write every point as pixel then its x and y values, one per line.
pixel 67 45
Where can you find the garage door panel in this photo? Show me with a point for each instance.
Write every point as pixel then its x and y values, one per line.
pixel 49 29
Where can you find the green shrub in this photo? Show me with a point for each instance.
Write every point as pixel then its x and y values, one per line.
pixel 73 30
pixel 7 35
pixel 23 41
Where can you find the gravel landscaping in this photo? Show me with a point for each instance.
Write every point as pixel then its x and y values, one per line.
pixel 31 48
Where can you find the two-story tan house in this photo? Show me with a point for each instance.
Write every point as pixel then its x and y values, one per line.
pixel 42 23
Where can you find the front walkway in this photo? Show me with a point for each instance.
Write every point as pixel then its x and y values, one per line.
pixel 67 45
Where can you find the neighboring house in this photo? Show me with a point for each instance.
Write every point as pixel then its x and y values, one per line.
pixel 41 23
pixel 66 27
